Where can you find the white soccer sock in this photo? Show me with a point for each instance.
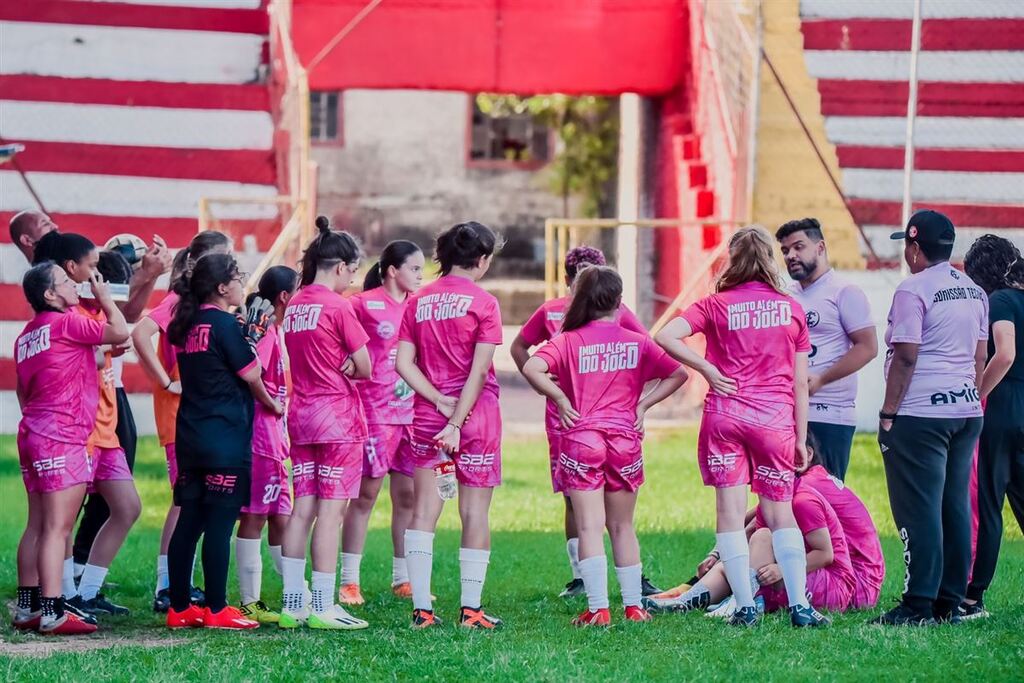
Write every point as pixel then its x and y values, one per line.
pixel 594 572
pixel 67 582
pixel 788 546
pixel 735 552
pixel 323 585
pixel 473 569
pixel 419 558
pixel 249 564
pixel 92 580
pixel 695 590
pixel 275 555
pixel 629 584
pixel 163 581
pixel 293 573
pixel 572 549
pixel 350 568
pixel 399 571
pixel 79 570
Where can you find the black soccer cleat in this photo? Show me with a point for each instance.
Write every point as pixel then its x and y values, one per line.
pixel 198 597
pixel 648 588
pixel 573 589
pixel 807 617
pixel 100 605
pixel 677 604
pixel 745 616
pixel 76 606
pixel 971 612
pixel 901 615
pixel 162 601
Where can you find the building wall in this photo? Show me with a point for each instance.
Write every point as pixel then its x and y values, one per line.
pixel 402 170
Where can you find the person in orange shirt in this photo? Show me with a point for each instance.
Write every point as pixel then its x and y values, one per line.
pixel 161 366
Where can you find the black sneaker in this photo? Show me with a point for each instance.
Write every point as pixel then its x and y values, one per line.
pixel 648 588
pixel 971 612
pixel 677 604
pixel 198 597
pixel 901 615
pixel 745 616
pixel 100 605
pixel 807 617
pixel 162 601
pixel 573 589
pixel 76 606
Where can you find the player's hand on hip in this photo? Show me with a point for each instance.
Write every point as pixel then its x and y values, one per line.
pixel 567 415
pixel 720 384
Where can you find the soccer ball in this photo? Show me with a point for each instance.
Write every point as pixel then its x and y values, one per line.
pixel 132 247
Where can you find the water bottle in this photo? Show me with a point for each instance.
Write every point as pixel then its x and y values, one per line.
pixel 447 485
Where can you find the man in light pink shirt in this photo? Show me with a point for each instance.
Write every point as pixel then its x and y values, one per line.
pixel 843 339
pixel 931 419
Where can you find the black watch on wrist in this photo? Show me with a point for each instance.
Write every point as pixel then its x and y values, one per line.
pixel 886 416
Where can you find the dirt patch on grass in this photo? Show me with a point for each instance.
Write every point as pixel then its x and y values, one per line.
pixel 43 646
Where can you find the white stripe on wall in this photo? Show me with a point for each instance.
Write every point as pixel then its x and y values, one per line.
pixel 144 126
pixel 128 53
pixel 959 67
pixel 904 9
pixel 933 131
pixel 936 186
pixel 129 196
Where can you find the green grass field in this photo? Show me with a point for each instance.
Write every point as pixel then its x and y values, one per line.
pixel 528 567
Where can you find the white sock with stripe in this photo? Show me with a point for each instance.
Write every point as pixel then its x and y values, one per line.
pixel 473 570
pixel 419 558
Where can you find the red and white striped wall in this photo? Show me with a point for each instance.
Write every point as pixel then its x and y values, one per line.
pixel 130 112
pixel 969 134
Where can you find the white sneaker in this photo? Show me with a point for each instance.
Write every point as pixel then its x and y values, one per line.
pixel 335 619
pixel 724 609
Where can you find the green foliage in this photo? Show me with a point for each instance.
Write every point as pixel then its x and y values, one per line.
pixel 588 129
pixel 675 521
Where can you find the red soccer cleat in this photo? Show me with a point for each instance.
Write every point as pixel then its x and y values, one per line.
pixel 600 617
pixel 190 617
pixel 228 618
pixel 637 613
pixel 68 625
pixel 27 621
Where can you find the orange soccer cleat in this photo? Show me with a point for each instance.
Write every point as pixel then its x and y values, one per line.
pixel 229 618
pixel 598 617
pixel 190 617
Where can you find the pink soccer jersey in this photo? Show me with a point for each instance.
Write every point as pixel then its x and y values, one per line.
pixel 387 399
pixel 946 314
pixel 861 536
pixel 753 334
pixel 162 314
pixel 835 309
pixel 603 368
pixel 445 321
pixel 56 370
pixel 321 332
pixel 268 437
pixel 546 321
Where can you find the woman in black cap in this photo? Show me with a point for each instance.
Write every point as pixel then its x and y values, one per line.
pixel 997 266
pixel 931 418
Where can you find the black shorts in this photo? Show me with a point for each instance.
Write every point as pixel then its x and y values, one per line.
pixel 217 486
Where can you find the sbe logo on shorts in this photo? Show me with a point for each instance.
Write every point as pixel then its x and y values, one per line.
pixel 303 469
pixel 476 459
pixel 328 472
pixel 773 476
pixel 221 483
pixel 50 464
pixel 633 468
pixel 724 462
pixel 572 465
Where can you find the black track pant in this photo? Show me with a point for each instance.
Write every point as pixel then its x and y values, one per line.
pixel 834 444
pixel 928 471
pixel 1000 473
pixel 210 501
pixel 95 511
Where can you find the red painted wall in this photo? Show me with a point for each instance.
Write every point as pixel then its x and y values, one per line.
pixel 525 46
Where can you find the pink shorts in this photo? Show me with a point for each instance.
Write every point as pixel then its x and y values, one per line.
pixel 172 463
pixel 865 595
pixel 731 452
pixel 332 471
pixel 269 493
pixel 591 459
pixel 478 462
pixel 109 464
pixel 553 452
pixel 827 590
pixel 388 448
pixel 48 466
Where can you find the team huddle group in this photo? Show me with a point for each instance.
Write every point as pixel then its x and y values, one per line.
pixel 398 381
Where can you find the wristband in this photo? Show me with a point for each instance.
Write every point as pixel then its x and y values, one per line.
pixel 886 416
pixel 452 424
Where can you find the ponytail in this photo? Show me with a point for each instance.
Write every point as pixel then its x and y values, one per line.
pixel 463 245
pixel 328 249
pixel 274 281
pixel 208 274
pixel 598 293
pixel 395 254
pixel 201 245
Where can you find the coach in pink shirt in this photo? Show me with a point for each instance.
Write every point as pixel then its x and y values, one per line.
pixel 931 419
pixel 843 339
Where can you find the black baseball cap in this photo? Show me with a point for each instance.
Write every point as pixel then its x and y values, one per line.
pixel 928 227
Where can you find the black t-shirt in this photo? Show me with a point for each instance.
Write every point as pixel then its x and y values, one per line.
pixel 214 427
pixel 1008 304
